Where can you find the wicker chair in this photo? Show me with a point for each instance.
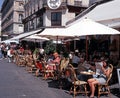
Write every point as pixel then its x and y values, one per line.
pixel 77 85
pixel 60 71
pixel 48 73
pixel 104 88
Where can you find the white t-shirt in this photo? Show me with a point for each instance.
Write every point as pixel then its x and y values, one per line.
pixel 9 53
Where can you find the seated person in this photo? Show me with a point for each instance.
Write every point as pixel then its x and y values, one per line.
pixel 102 78
pixel 52 63
pixel 84 66
pixel 64 62
pixel 75 60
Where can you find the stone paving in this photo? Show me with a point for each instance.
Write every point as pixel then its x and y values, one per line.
pixel 16 82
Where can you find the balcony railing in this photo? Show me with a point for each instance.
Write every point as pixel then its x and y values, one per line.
pixel 74 2
pixel 67 2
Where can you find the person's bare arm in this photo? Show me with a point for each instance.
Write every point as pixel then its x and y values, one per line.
pixel 106 71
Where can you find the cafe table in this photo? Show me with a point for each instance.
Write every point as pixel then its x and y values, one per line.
pixel 88 73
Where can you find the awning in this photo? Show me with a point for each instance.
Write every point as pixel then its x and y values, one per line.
pixel 23 35
pixel 9 41
pixel 106 13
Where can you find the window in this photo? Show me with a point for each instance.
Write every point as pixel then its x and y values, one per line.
pixel 39 21
pixel 20 17
pixel 31 25
pixel 26 27
pixel 56 18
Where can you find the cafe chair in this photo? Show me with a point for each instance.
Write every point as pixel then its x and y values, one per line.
pixel 104 88
pixel 60 71
pixel 39 67
pixel 78 86
pixel 49 71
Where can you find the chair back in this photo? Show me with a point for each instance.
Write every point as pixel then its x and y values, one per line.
pixel 110 75
pixel 64 63
pixel 70 73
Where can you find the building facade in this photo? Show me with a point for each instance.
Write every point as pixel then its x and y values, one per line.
pixel 12 15
pixel 52 13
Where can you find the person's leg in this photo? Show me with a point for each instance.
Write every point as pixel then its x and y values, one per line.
pixel 0 54
pixel 93 88
pixel 9 59
pixel 90 81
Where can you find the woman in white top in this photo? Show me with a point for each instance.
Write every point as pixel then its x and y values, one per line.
pixel 102 78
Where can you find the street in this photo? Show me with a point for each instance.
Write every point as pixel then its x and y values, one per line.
pixel 16 82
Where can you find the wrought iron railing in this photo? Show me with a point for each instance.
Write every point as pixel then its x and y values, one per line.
pixel 67 2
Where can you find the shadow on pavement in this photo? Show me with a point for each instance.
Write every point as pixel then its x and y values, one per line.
pixel 116 92
pixel 52 83
pixel 65 85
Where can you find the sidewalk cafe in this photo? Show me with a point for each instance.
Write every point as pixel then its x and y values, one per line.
pixel 73 70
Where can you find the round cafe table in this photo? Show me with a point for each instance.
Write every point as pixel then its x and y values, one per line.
pixel 87 73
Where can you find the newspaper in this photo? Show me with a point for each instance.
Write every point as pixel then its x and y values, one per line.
pixel 98 67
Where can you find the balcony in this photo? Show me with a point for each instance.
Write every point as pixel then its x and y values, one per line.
pixel 76 3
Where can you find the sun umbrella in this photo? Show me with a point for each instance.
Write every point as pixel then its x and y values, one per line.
pixel 79 28
pixel 55 33
pixel 36 38
pixel 89 27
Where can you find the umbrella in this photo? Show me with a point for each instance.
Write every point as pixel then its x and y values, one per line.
pixel 55 33
pixel 90 27
pixel 79 28
pixel 36 38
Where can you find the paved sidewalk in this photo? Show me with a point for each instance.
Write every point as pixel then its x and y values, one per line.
pixel 16 82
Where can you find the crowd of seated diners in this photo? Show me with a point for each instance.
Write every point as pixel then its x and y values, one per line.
pixel 55 65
